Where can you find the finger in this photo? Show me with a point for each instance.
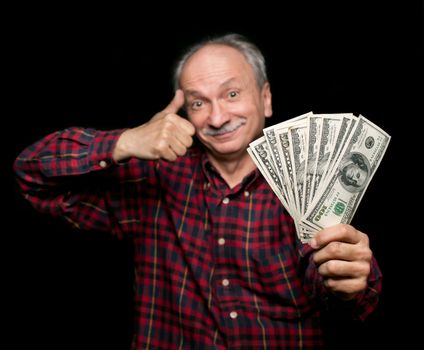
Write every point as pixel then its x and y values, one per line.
pixel 164 150
pixel 176 124
pixel 340 232
pixel 343 269
pixel 343 251
pixel 184 131
pixel 186 126
pixel 346 286
pixel 332 251
pixel 173 142
pixel 177 129
pixel 176 103
pixel 178 147
pixel 184 139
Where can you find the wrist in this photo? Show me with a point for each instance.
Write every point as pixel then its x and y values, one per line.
pixel 120 151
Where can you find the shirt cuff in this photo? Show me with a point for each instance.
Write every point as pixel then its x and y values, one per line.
pixel 101 149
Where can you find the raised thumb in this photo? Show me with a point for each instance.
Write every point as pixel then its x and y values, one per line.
pixel 176 103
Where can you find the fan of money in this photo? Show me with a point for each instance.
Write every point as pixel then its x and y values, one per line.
pixel 319 166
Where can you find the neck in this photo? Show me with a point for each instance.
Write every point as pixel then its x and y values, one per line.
pixel 234 168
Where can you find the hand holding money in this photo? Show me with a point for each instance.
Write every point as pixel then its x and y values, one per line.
pixel 343 258
pixel 319 166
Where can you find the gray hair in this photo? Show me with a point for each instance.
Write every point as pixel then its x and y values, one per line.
pixel 249 50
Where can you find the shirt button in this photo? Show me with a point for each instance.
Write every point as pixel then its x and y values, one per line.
pixel 206 185
pixel 246 193
pixel 103 164
pixel 221 241
pixel 226 200
pixel 225 282
pixel 233 314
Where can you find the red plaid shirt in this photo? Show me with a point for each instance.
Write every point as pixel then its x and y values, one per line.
pixel 216 268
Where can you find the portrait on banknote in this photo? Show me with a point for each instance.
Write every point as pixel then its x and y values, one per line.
pixel 354 172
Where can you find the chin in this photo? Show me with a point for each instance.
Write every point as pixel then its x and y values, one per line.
pixel 227 146
pixel 227 150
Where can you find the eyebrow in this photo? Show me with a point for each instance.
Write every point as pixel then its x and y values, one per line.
pixel 225 84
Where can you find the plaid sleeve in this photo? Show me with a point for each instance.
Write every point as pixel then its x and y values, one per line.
pixel 46 172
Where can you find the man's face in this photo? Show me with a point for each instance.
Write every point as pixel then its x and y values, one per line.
pixel 223 100
pixel 355 176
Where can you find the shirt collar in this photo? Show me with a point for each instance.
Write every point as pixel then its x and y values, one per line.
pixel 213 177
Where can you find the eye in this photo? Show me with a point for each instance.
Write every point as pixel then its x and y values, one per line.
pixel 197 104
pixel 233 94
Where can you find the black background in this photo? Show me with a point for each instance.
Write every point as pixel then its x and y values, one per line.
pixel 111 68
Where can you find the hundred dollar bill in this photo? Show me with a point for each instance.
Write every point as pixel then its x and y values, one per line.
pixel 283 148
pixel 298 148
pixel 271 140
pixel 330 134
pixel 315 124
pixel 339 196
pixel 261 156
pixel 344 133
pixel 278 144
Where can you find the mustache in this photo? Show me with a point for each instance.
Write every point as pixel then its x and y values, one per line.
pixel 225 128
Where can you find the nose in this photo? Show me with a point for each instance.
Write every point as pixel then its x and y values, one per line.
pixel 218 115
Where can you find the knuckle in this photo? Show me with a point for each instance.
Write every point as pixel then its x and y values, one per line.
pixel 169 117
pixel 168 122
pixel 335 248
pixel 332 267
pixel 344 229
pixel 162 144
pixel 167 127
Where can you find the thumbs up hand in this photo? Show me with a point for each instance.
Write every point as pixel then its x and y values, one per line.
pixel 166 135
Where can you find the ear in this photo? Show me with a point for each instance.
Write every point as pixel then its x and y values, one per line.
pixel 267 99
